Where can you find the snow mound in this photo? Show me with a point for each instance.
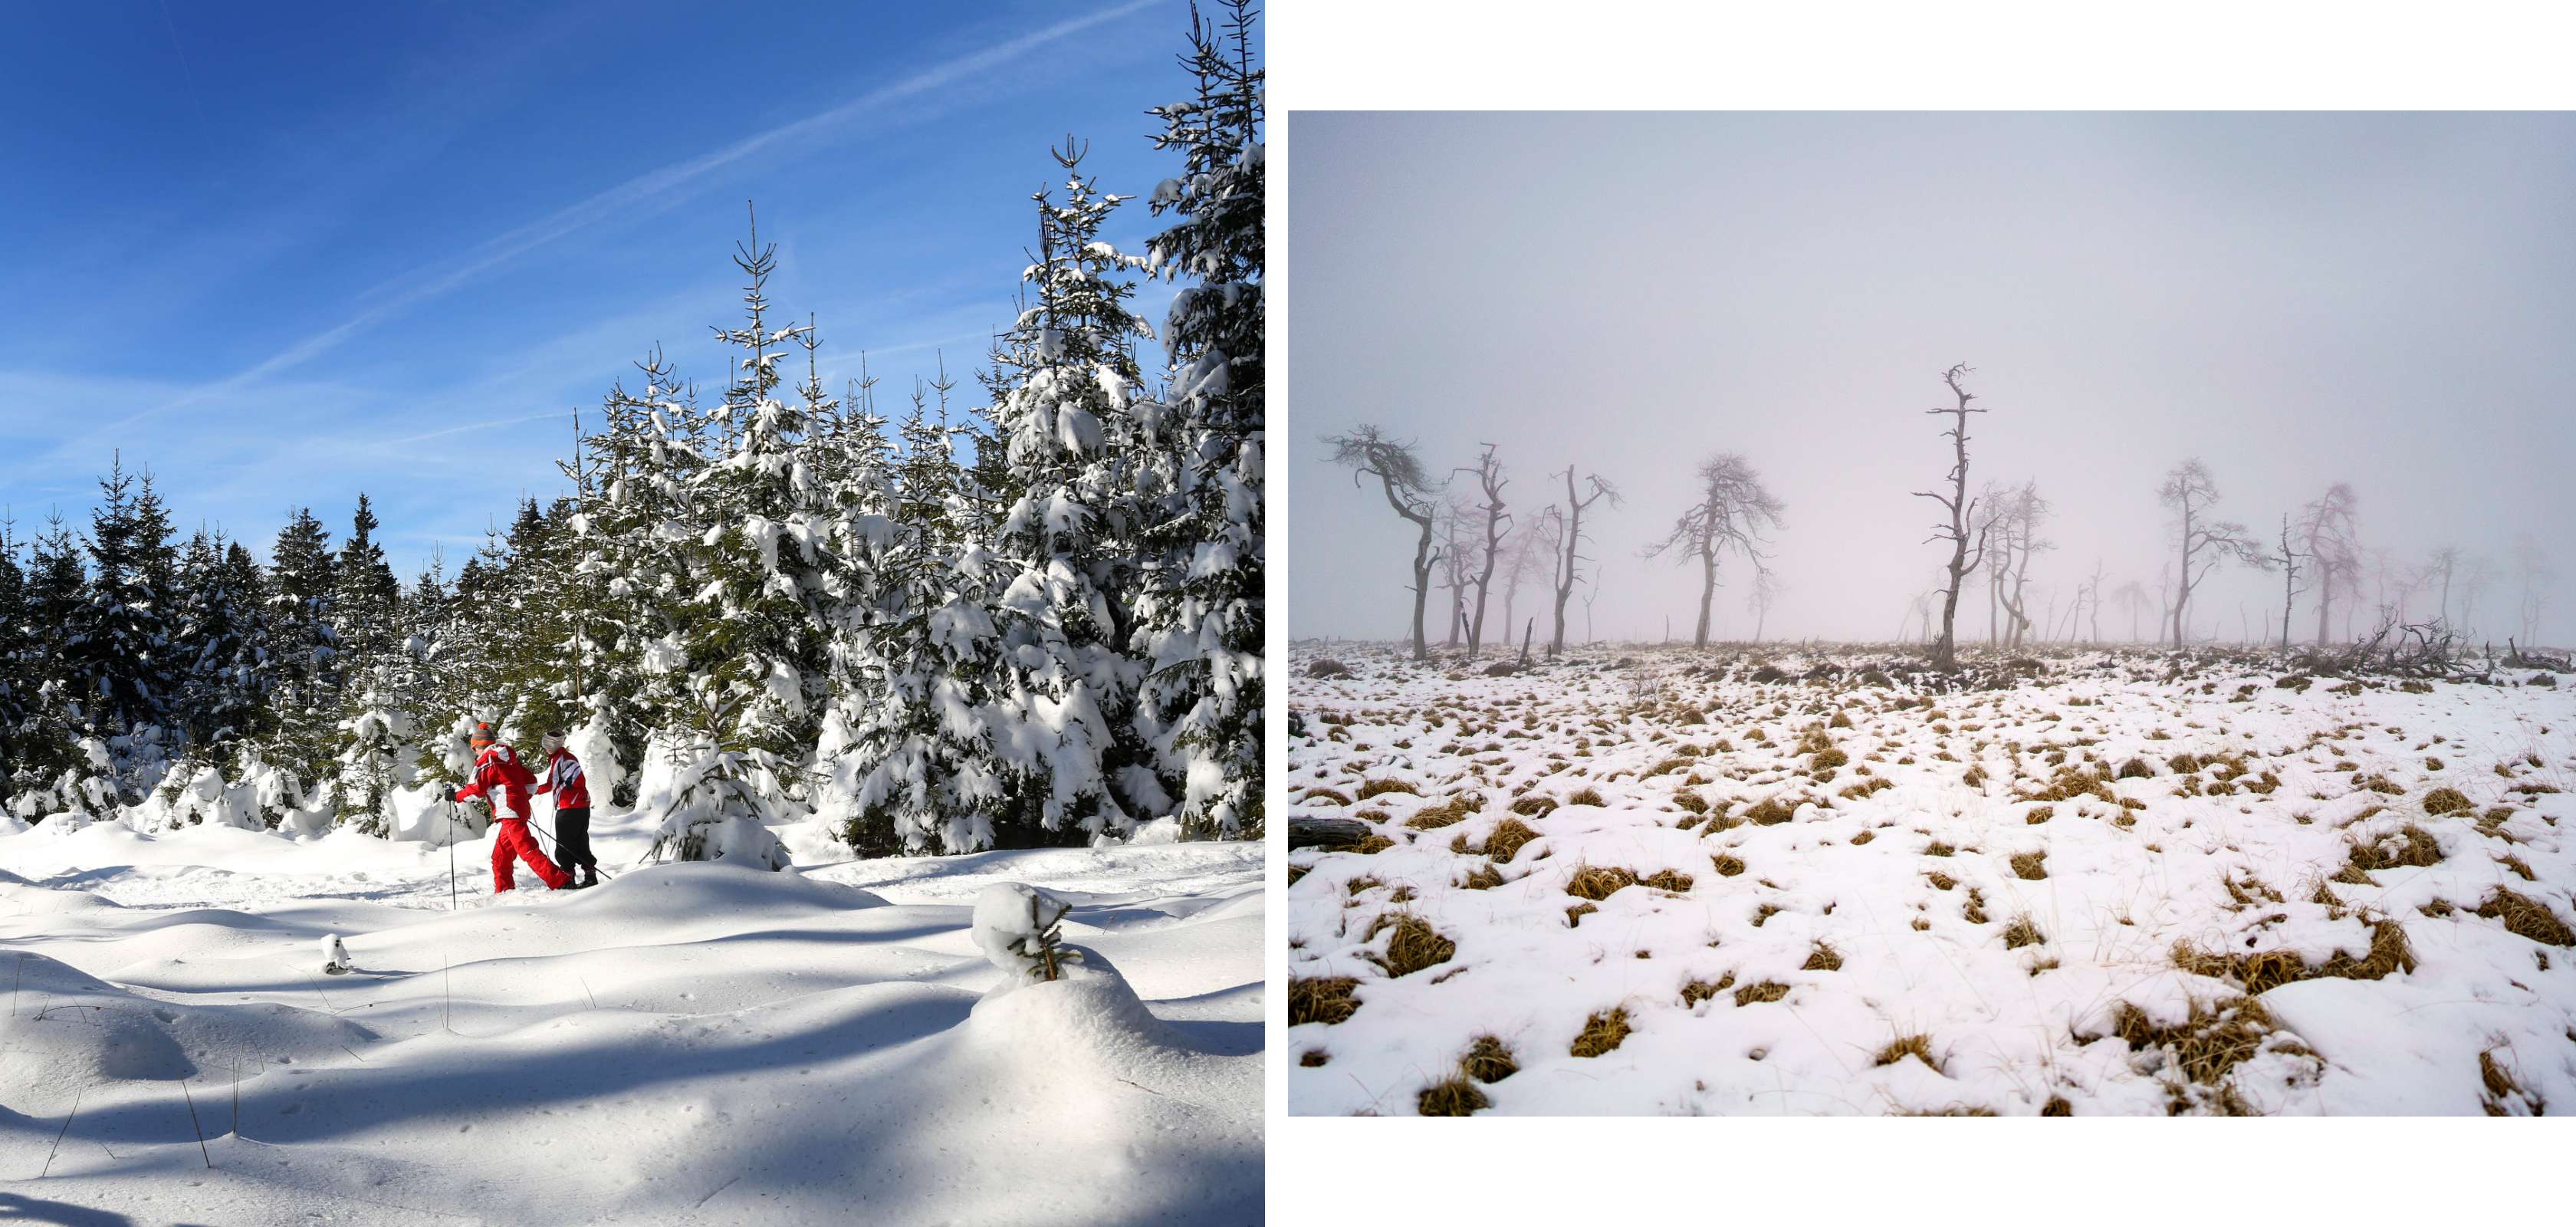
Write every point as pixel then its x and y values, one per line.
pixel 70 1030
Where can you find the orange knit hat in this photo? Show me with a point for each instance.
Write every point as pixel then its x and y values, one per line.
pixel 482 734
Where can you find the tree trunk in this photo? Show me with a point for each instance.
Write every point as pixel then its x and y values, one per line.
pixel 1707 591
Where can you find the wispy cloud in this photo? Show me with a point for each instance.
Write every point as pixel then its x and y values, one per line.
pixel 395 296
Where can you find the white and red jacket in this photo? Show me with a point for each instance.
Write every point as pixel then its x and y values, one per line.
pixel 563 778
pixel 500 775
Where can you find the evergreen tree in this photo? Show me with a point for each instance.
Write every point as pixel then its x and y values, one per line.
pixel 304 651
pixel 366 598
pixel 120 659
pixel 1201 613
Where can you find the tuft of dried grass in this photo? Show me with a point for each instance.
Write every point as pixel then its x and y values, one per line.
pixel 1508 838
pixel 1768 812
pixel 1823 958
pixel 1586 796
pixel 1374 788
pixel 1535 805
pixel 1452 1096
pixel 2526 917
pixel 1334 795
pixel 1698 991
pixel 1597 882
pixel 2446 801
pixel 1489 1059
pixel 1485 878
pixel 2030 866
pixel 2419 850
pixel 1455 810
pixel 1416 945
pixel 2022 932
pixel 1768 990
pixel 1918 1047
pixel 2208 1045
pixel 1601 1032
pixel 1316 999
pixel 1728 866
pixel 2039 814
pixel 1668 879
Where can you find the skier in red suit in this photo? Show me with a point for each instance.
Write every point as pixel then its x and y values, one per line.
pixel 500 777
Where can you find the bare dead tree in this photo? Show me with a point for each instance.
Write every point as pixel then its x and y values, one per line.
pixel 1945 653
pixel 1992 498
pixel 1490 480
pixel 2532 568
pixel 2022 512
pixel 1569 558
pixel 1409 490
pixel 2132 596
pixel 2190 493
pixel 2093 593
pixel 1528 548
pixel 1458 556
pixel 1732 512
pixel 2332 535
pixel 1758 601
pixel 2439 570
pixel 2477 574
pixel 2288 561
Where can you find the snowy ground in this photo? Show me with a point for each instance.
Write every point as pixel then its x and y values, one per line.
pixel 685 1044
pixel 1664 882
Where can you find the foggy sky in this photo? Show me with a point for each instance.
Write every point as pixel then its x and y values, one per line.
pixel 2388 300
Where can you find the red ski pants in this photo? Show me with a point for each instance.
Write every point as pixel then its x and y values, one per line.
pixel 512 841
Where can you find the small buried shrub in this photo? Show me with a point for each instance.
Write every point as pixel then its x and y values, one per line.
pixel 2446 801
pixel 1416 945
pixel 1375 788
pixel 1488 1060
pixel 1823 958
pixel 2030 866
pixel 1509 837
pixel 1598 882
pixel 1601 1033
pixel 2527 917
pixel 1768 990
pixel 1316 999
pixel 1918 1047
pixel 2021 932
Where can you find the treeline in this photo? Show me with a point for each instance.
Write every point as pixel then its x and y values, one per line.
pixel 1038 619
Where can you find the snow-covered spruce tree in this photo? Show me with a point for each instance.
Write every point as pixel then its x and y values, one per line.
pixel 120 632
pixel 48 742
pixel 1065 391
pixel 720 796
pixel 304 654
pixel 922 772
pixel 377 756
pixel 628 538
pixel 222 642
pixel 1200 614
pixel 17 692
pixel 761 568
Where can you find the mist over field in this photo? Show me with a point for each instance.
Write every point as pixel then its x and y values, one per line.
pixel 2296 301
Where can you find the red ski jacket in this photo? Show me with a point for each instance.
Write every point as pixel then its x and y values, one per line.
pixel 500 775
pixel 563 778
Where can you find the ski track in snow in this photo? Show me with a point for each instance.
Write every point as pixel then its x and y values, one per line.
pixel 688 1044
pixel 2234 896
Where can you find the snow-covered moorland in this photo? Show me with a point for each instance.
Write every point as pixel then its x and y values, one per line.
pixel 1663 881
pixel 687 1043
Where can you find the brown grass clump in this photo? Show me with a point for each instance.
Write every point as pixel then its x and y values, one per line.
pixel 1973 777
pixel 1416 945
pixel 1314 1058
pixel 1827 759
pixel 1375 788
pixel 1698 991
pixel 2039 814
pixel 1941 881
pixel 2057 1106
pixel 1334 795
pixel 1488 1060
pixel 1918 1047
pixel 1823 958
pixel 1728 866
pixel 2420 850
pixel 1975 912
pixel 1768 812
pixel 2021 932
pixel 2379 784
pixel 1768 990
pixel 1863 837
pixel 1371 845
pixel 2208 1045
pixel 2136 769
pixel 1321 999
pixel 1509 837
pixel 1586 796
pixel 1937 848
pixel 2527 917
pixel 1535 805
pixel 1601 1033
pixel 1574 915
pixel 1454 810
pixel 1691 801
pixel 2446 801
pixel 2030 866
pixel 1598 882
pixel 2266 970
pixel 1452 1096
pixel 1485 878
pixel 1866 788
pixel 1668 879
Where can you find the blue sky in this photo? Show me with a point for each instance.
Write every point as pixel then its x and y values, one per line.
pixel 283 253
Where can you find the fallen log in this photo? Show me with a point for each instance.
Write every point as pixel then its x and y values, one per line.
pixel 1327 832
